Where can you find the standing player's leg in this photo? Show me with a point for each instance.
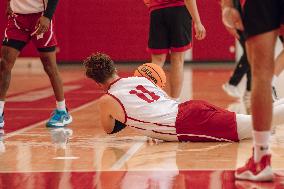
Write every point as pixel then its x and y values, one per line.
pixel 160 59
pixel 48 60
pixel 15 39
pixel 60 116
pixel 46 44
pixel 179 23
pixel 176 73
pixel 261 22
pixel 261 48
pixel 9 55
pixel 158 40
pixel 240 70
pixel 261 56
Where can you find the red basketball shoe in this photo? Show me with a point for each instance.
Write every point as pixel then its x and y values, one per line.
pixel 260 171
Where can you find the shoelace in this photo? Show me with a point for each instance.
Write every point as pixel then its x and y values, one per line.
pixel 57 115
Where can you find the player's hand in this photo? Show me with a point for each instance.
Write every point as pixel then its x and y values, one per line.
pixel 200 32
pixel 152 141
pixel 9 11
pixel 147 3
pixel 42 25
pixel 232 21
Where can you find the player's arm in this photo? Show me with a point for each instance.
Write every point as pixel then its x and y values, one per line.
pixel 200 32
pixel 147 3
pixel 108 122
pixel 44 21
pixel 231 18
pixel 50 9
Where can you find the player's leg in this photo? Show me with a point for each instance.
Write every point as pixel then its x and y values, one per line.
pixel 9 55
pixel 179 23
pixel 261 22
pixel 46 44
pixel 60 117
pixel 48 60
pixel 158 41
pixel 176 73
pixel 240 70
pixel 15 39
pixel 159 59
pixel 7 61
pixel 261 49
pixel 244 126
pixel 261 56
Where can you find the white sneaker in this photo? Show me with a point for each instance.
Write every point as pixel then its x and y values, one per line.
pixel 256 171
pixel 231 90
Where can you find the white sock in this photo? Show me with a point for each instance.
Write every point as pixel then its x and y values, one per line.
pixel 1 107
pixel 261 144
pixel 274 78
pixel 61 105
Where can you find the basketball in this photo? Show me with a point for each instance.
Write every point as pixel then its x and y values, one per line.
pixel 152 72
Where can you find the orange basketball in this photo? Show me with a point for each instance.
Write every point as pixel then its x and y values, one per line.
pixel 152 72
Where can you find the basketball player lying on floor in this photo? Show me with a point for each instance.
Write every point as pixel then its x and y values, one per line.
pixel 138 103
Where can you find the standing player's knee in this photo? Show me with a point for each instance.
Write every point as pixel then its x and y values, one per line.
pixel 49 70
pixel 48 66
pixel 159 59
pixel 177 58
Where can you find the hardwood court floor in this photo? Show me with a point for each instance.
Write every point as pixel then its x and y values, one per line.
pixel 36 157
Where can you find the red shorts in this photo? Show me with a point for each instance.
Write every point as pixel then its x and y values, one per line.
pixel 199 121
pixel 21 26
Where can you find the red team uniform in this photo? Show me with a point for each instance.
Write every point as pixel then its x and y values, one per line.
pixel 149 110
pixel 21 25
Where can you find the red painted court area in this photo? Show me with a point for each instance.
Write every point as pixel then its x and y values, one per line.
pixel 133 179
pixel 27 108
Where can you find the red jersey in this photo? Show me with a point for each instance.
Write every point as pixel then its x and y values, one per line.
pixel 158 4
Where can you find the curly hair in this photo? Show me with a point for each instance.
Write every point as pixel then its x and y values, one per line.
pixel 99 67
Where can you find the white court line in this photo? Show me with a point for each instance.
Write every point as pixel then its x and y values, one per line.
pixel 44 121
pixel 64 158
pixel 132 150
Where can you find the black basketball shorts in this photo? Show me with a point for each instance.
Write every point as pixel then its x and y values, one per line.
pixel 261 16
pixel 170 30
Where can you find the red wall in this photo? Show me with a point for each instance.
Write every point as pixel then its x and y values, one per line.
pixel 216 45
pixel 120 28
